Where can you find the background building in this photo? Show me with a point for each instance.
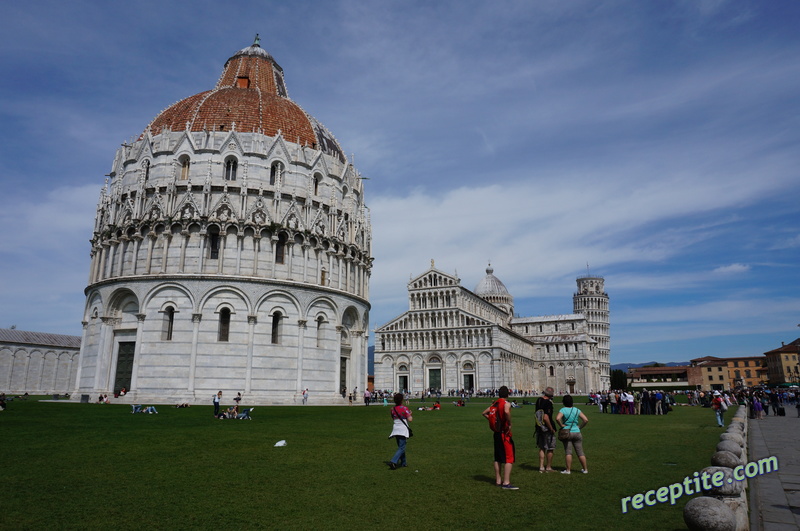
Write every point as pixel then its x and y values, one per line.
pixel 37 363
pixel 231 251
pixel 452 338
pixel 711 372
pixel 782 364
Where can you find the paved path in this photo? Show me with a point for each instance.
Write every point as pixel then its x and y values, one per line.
pixel 775 497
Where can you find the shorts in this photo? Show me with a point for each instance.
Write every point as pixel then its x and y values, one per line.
pixel 545 440
pixel 503 448
pixel 575 441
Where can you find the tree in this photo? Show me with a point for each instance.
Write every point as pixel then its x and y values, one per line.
pixel 618 379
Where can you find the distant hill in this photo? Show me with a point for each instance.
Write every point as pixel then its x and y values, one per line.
pixel 626 366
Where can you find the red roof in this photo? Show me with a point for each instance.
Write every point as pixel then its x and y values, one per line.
pixel 250 96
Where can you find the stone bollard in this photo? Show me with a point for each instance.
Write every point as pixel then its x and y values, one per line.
pixel 726 459
pixel 708 514
pixel 734 437
pixel 729 446
pixel 724 507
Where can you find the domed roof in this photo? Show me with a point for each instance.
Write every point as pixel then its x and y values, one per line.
pixel 490 285
pixel 250 96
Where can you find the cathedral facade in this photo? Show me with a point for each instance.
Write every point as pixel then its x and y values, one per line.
pixel 231 251
pixel 452 338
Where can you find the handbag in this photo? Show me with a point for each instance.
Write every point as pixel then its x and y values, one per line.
pixel 563 433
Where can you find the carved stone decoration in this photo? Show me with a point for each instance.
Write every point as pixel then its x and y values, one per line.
pixel 224 210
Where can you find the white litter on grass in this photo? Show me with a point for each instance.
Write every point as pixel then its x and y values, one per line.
pixel 280 443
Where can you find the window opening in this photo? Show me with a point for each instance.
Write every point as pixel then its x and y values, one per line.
pixel 276 328
pixel 169 322
pixel 230 169
pixel 224 324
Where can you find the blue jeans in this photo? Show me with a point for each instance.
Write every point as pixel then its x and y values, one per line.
pixel 720 414
pixel 400 455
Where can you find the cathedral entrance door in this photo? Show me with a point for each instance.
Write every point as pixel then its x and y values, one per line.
pixel 571 387
pixel 435 378
pixel 469 381
pixel 122 378
pixel 402 384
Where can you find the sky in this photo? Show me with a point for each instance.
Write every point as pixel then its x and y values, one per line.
pixel 654 144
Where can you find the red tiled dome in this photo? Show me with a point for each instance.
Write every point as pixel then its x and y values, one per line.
pixel 250 96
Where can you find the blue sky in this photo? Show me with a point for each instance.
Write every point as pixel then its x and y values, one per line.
pixel 655 141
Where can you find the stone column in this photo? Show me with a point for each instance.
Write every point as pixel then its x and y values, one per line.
pixel 273 240
pixel 202 258
pixel 239 243
pixel 252 320
pixel 105 353
pixel 256 251
pixel 184 243
pixel 137 243
pixel 196 318
pixel 223 239
pixel 140 317
pixel 81 354
pixel 290 261
pixel 151 242
pixel 167 237
pixel 305 248
pixel 301 341
pixel 121 266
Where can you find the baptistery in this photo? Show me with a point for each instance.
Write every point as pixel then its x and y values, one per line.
pixel 231 252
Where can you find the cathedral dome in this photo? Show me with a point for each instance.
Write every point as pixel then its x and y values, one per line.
pixel 490 285
pixel 491 289
pixel 249 97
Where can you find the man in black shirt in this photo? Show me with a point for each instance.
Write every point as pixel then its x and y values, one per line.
pixel 545 430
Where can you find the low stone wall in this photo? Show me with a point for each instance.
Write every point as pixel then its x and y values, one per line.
pixel 724 508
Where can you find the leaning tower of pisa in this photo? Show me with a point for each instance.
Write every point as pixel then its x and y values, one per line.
pixel 591 300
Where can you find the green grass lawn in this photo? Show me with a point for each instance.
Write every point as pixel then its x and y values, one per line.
pixel 95 466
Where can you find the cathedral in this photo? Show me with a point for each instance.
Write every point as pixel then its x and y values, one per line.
pixel 231 251
pixel 452 338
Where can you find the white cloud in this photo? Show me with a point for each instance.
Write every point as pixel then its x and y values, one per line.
pixel 732 269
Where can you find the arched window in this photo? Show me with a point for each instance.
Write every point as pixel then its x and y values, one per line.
pixel 323 277
pixel 552 372
pixel 230 168
pixel 184 162
pixel 213 242
pixel 275 172
pixel 224 324
pixel 146 170
pixel 275 338
pixel 280 248
pixel 320 321
pixel 168 324
pixel 316 180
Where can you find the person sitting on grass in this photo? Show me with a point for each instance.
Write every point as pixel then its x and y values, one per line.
pixel 435 407
pixel 143 409
pixel 230 413
pixel 184 404
pixel 245 415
